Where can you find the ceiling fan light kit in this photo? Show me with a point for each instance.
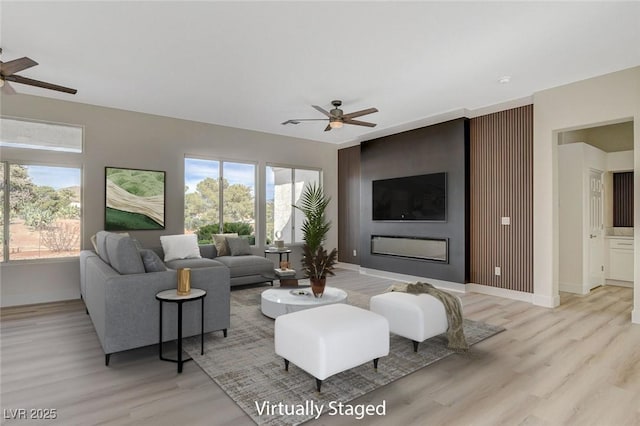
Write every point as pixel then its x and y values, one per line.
pixel 337 118
pixel 335 124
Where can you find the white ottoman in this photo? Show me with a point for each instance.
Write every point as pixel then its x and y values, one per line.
pixel 330 339
pixel 416 317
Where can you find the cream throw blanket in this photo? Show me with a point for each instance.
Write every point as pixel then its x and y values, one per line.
pixel 455 332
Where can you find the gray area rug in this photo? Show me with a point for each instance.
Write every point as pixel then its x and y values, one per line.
pixel 246 367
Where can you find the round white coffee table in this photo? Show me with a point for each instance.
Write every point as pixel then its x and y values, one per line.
pixel 280 301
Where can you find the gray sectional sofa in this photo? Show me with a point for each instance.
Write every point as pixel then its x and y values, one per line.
pixel 119 293
pixel 245 269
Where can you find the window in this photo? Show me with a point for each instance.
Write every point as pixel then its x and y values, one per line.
pixel 18 133
pixel 284 187
pixel 43 211
pixel 219 192
pixel 40 203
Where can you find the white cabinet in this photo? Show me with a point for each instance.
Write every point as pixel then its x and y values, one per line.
pixel 620 259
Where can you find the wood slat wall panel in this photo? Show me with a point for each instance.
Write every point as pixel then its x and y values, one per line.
pixel 349 204
pixel 502 186
pixel 623 199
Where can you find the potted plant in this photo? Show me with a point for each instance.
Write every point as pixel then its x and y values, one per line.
pixel 317 263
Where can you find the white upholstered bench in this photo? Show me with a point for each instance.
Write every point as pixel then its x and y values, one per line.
pixel 329 339
pixel 416 317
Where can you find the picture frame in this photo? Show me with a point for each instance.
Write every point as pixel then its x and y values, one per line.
pixel 134 199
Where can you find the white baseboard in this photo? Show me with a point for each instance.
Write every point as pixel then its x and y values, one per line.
pixel 572 288
pixel 348 266
pixel 546 301
pixel 618 283
pixel 635 316
pixel 32 299
pixel 446 285
pixel 500 292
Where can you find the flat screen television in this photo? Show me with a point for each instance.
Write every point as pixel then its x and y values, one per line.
pixel 422 197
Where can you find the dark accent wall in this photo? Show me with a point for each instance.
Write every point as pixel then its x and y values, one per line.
pixel 623 199
pixel 502 186
pixel 439 148
pixel 348 205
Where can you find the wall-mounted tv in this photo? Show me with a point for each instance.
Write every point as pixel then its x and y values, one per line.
pixel 422 197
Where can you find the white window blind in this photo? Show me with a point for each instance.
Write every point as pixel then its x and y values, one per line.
pixel 16 133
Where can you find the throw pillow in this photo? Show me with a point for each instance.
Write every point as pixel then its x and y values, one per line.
pixel 238 246
pixel 151 261
pixel 101 243
pixel 180 247
pixel 220 241
pixel 123 254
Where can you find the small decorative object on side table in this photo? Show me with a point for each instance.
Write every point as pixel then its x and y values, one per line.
pixel 172 296
pixel 184 281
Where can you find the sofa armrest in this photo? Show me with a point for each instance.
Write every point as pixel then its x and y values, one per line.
pixel 132 311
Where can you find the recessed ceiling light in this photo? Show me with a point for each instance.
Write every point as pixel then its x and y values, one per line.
pixel 504 79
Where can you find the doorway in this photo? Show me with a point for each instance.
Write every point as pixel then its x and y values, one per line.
pixel 587 158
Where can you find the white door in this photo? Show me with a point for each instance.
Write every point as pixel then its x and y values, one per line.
pixel 595 244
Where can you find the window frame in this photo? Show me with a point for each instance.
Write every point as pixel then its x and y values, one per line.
pixel 6 206
pixel 293 169
pixel 18 155
pixel 221 161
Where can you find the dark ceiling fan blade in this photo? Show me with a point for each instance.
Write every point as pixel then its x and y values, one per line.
pixel 359 113
pixel 7 89
pixel 322 110
pixel 17 65
pixel 44 85
pixel 359 123
pixel 298 120
pixel 326 129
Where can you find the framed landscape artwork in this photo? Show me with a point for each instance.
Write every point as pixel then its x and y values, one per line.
pixel 134 199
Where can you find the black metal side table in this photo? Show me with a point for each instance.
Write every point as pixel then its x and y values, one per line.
pixel 279 253
pixel 171 296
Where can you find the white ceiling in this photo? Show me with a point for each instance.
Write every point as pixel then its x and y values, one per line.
pixel 254 65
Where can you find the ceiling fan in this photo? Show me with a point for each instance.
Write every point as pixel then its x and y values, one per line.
pixel 8 72
pixel 337 118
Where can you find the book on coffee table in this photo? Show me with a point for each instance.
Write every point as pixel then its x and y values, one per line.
pixel 284 272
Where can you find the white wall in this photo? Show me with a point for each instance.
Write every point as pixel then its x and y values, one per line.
pixel 134 140
pixel 575 161
pixel 606 99
pixel 620 161
pixel 570 178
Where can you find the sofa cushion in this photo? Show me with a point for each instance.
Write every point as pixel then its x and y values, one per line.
pixel 193 263
pixel 209 251
pixel 238 246
pixel 246 265
pixel 151 261
pixel 222 247
pixel 122 252
pixel 180 247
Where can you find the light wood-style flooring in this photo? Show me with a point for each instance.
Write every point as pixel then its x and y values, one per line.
pixel 578 364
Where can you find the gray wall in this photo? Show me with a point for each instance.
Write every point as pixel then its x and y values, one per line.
pixel 439 148
pixel 134 140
